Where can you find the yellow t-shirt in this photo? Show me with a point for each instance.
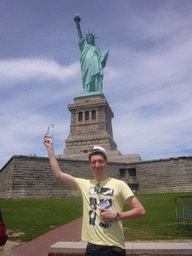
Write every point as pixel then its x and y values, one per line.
pixel 111 193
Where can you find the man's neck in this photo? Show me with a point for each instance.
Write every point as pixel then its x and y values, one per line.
pixel 99 179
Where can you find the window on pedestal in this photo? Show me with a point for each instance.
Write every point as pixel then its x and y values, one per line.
pixel 93 114
pixel 80 118
pixel 86 115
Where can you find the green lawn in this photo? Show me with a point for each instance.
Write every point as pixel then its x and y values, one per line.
pixel 160 222
pixel 35 217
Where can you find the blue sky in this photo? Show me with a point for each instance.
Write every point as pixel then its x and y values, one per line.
pixel 147 80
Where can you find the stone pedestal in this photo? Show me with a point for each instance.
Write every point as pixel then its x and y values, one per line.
pixel 90 125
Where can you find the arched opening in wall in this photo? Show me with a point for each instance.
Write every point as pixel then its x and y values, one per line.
pixel 80 117
pixel 86 115
pixel 93 114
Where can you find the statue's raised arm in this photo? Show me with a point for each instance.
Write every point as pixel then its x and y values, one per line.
pixel 92 61
pixel 77 20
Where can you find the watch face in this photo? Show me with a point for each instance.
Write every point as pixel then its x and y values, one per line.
pixel 118 217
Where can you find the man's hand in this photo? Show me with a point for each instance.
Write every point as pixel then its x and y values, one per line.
pixel 107 215
pixel 47 141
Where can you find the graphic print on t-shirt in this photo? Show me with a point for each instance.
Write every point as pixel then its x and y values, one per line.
pixel 100 197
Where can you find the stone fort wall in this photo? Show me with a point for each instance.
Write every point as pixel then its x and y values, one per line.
pixel 31 177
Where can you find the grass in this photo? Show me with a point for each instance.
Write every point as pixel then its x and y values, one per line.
pixel 34 217
pixel 160 222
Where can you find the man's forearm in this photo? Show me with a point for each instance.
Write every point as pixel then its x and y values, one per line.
pixel 135 213
pixel 132 214
pixel 53 162
pixel 63 177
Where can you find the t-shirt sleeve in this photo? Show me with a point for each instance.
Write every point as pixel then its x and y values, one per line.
pixel 79 184
pixel 126 192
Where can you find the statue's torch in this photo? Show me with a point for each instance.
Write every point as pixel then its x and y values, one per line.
pixel 77 19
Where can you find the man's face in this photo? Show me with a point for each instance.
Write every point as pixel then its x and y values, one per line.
pixel 98 164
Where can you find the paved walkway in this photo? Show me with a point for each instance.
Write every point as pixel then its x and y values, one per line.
pixel 71 232
pixel 40 245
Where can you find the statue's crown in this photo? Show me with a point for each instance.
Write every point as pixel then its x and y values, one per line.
pixel 90 34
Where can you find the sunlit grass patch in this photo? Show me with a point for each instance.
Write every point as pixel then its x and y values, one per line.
pixel 34 217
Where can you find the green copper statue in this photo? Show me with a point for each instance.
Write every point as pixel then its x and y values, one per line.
pixel 92 62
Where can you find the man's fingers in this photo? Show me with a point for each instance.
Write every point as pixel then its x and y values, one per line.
pixel 102 210
pixel 47 141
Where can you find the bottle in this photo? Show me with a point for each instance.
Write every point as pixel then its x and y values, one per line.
pixel 50 131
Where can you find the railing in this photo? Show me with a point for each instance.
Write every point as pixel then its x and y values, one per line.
pixel 183 206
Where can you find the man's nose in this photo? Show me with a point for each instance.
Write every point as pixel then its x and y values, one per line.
pixel 97 164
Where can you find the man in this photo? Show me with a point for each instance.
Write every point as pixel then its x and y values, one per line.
pixel 103 200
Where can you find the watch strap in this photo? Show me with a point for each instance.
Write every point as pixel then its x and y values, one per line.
pixel 118 216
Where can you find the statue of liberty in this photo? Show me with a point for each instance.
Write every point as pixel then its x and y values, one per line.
pixel 92 62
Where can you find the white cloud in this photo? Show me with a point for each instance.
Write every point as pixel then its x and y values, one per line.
pixel 151 70
pixel 154 119
pixel 164 22
pixel 13 71
pixel 156 134
pixel 23 134
pixel 149 91
pixel 111 73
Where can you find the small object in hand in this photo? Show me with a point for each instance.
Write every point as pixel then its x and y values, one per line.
pixel 50 131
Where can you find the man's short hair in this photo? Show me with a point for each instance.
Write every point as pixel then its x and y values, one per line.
pixel 98 150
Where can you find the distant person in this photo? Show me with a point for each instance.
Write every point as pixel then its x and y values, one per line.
pixel 3 235
pixel 103 200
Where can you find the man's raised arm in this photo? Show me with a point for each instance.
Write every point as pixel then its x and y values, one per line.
pixel 58 174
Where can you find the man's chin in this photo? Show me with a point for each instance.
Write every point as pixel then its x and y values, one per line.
pixel 98 170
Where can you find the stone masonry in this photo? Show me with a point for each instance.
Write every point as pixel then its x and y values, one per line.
pixel 91 124
pixel 31 177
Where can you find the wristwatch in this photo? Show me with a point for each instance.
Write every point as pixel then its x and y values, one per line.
pixel 118 216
